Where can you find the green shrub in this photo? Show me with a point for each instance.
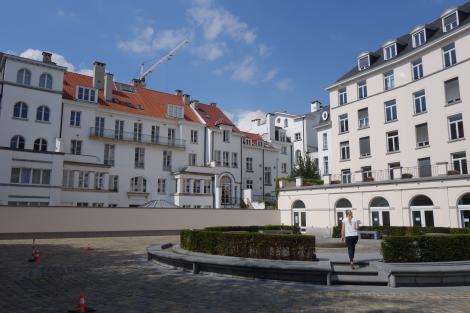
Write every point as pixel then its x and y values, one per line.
pixel 426 248
pixel 249 244
pixel 254 229
pixel 406 230
pixel 336 232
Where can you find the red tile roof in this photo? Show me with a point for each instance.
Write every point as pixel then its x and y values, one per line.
pixel 153 103
pixel 214 116
pixel 255 138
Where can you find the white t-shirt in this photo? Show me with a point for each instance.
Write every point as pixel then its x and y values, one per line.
pixel 350 229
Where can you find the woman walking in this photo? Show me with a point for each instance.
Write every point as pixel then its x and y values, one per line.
pixel 349 232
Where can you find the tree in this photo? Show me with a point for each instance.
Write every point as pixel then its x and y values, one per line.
pixel 306 168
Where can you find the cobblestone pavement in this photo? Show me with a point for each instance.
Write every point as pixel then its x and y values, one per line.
pixel 116 277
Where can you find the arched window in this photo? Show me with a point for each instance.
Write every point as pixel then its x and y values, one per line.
pixel 298 204
pixel 45 81
pixel 343 204
pixel 20 110
pixel 422 211
pixel 380 212
pixel 298 156
pixel 226 188
pixel 23 77
pixel 42 114
pixel 421 200
pixel 379 202
pixel 465 199
pixel 17 142
pixel 278 120
pixel 40 144
pixel 138 184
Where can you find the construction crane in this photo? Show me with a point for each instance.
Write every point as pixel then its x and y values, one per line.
pixel 167 57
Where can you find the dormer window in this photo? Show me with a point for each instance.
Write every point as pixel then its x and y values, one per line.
pixel 175 111
pixel 419 38
pixel 390 51
pixel 86 94
pixel 450 21
pixel 248 141
pixel 363 61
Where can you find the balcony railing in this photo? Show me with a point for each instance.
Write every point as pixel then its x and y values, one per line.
pixel 136 137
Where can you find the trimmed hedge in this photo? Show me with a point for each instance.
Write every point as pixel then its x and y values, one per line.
pixel 249 244
pixel 406 230
pixel 426 248
pixel 254 229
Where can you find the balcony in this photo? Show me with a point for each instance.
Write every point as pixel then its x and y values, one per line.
pixel 137 138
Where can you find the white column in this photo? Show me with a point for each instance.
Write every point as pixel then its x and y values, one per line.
pixel 201 184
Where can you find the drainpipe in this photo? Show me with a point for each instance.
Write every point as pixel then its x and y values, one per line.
pixel 262 151
pixel 241 169
pixel 205 145
pixel 61 119
pixel 303 135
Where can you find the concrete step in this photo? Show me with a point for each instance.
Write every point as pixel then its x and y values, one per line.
pixel 358 280
pixel 358 271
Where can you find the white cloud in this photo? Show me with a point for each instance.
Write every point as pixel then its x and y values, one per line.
pixel 147 40
pixel 245 71
pixel 271 74
pixel 59 59
pixel 263 50
pixel 210 51
pixel 243 118
pixel 284 84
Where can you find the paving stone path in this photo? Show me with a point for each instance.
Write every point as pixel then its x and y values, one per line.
pixel 116 277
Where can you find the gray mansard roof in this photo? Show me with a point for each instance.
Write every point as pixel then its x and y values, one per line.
pixel 404 43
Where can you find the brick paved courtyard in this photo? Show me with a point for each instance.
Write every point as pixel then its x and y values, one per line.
pixel 116 277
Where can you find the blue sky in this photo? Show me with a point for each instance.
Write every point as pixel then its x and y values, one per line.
pixel 248 56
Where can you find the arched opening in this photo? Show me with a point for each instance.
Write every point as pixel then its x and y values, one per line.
pixel 226 190
pixel 40 144
pixel 42 114
pixel 45 81
pixel 380 212
pixel 20 110
pixel 23 76
pixel 341 206
pixel 299 215
pixel 463 206
pixel 17 142
pixel 421 208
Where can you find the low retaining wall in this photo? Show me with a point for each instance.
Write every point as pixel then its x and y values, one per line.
pixel 22 221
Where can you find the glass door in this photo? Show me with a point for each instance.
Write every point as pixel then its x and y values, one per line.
pixel 339 217
pixel 422 217
pixel 380 218
pixel 465 218
pixel 300 220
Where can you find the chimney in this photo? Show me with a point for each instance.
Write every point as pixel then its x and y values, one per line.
pixel 315 106
pixel 46 57
pixel 186 99
pixel 213 104
pixel 98 74
pixel 178 92
pixel 108 87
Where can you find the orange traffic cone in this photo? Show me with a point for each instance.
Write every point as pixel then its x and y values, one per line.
pixel 81 306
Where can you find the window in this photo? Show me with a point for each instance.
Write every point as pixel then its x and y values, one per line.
pixel 248 141
pixel 298 137
pixel 390 51
pixel 459 162
pixel 283 167
pixel 452 90
pixel 422 138
pixel 67 179
pixel 226 135
pixel 343 123
pixel 286 123
pixel 99 180
pixel 325 141
pixel 298 156
pixel 326 170
pixel 119 129
pixel 83 179
pixel 249 164
pixel 114 183
pixel 17 142
pixel 207 186
pixel 283 150
pixel 217 157
pixel 389 80
pixel 392 141
pixel 456 127
pixel 75 118
pixel 364 146
pixel 187 185
pixel 419 101
pixel 167 160
pixel 22 175
pixel 76 147
pixel 346 176
pixel 449 54
pixel 192 159
pixel 137 131
pixel 343 96
pixel 417 69
pixel 193 136
pixel 23 77
pixel 391 111
pixel 139 157
pixel 45 81
pixel 363 62
pixel 138 184
pixel 450 22
pixel 175 111
pixel 278 120
pixel 109 154
pixel 344 150
pixel 226 156
pixel 171 135
pixel 363 116
pixel 99 126
pixel 249 184
pixel 424 167
pixel 419 38
pixel 20 110
pixel 161 185
pixel 155 132
pixel 362 89
pixel 267 176
pixel 196 186
pixel 366 173
pixel 42 114
pixel 86 94
pixel 234 159
pixel 40 144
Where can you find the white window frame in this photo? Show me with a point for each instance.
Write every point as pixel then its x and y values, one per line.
pixel 393 109
pixel 139 157
pixel 249 164
pixel 267 176
pixel 359 62
pixel 283 167
pixel 226 135
pixel 425 143
pixel 234 159
pixel 167 155
pixel 175 111
pixel 298 136
pixel 346 176
pixel 249 184
pixel 75 118
pixel 456 125
pixel 76 147
pixel 395 141
pixel 342 96
pixel 326 169
pixel 362 89
pixel 86 94
pixel 364 121
pixel 360 152
pixel 444 27
pixel 345 152
pixel 343 123
pixel 389 80
pixel 449 52
pixel 192 159
pixel 390 51
pixel 325 141
pixel 418 67
pixel 194 136
pixel 419 42
pixel 419 101
pixel 226 159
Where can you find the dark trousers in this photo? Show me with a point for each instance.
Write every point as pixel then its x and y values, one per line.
pixel 351 242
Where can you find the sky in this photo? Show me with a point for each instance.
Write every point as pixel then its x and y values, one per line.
pixel 248 56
